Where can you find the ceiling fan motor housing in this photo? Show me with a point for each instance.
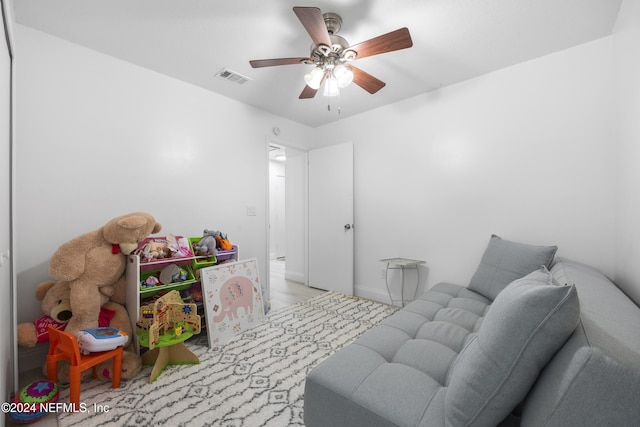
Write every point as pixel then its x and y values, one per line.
pixel 333 21
pixel 338 51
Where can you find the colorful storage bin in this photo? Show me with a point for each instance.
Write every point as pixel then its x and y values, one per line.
pixel 200 262
pixel 150 280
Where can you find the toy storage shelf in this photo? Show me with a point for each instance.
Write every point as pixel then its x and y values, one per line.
pixel 136 270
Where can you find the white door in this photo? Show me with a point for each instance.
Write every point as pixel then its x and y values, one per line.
pixel 331 218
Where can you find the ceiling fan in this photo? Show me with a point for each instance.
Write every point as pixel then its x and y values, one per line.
pixel 332 55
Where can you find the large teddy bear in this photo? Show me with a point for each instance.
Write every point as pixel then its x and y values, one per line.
pixel 93 264
pixel 56 306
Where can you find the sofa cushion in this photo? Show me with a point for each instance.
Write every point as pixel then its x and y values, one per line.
pixel 504 261
pixel 526 324
pixel 395 373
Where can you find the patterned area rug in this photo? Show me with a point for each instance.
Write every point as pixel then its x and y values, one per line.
pixel 257 379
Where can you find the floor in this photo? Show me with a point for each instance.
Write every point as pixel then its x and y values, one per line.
pixel 283 293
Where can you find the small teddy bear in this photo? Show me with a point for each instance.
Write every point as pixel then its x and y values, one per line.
pixel 55 302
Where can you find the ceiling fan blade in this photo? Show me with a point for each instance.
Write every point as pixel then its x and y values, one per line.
pixel 366 81
pixel 313 22
pixel 259 63
pixel 395 40
pixel 308 93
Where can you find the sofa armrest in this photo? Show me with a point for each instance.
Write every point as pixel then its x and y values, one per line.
pixel 588 388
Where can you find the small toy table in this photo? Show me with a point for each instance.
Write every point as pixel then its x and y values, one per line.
pixel 169 351
pixel 402 264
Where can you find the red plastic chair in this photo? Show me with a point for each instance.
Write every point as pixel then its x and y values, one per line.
pixel 63 346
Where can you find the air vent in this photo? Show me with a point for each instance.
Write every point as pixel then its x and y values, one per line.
pixel 232 76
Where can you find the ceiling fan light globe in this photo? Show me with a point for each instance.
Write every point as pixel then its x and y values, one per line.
pixel 343 75
pixel 331 87
pixel 313 78
pixel 349 55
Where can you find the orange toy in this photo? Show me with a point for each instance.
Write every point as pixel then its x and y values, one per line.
pixel 63 346
pixel 223 242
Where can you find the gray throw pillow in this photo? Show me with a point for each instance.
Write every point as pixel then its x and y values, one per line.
pixel 504 261
pixel 525 326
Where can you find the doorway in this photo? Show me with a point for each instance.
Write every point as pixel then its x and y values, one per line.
pixel 288 211
pixel 288 180
pixel 318 255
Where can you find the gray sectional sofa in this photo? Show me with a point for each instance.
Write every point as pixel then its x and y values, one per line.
pixel 531 341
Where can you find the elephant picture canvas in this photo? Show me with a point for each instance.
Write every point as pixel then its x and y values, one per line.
pixel 232 299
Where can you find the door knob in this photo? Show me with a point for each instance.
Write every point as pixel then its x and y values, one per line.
pixel 347 227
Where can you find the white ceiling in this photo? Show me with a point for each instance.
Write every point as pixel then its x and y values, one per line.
pixel 191 40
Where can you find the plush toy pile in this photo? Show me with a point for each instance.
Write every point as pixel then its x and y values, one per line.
pixel 211 242
pixel 163 248
pixel 89 290
pixel 55 304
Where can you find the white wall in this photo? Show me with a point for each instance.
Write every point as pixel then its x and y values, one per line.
pixel 99 137
pixel 627 77
pixel 525 153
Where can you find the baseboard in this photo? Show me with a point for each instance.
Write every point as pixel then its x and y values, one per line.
pixel 372 294
pixel 32 358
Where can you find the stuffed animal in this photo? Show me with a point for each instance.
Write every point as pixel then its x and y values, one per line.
pixel 222 241
pixel 207 245
pixel 56 309
pixel 55 300
pixel 97 260
pixel 156 249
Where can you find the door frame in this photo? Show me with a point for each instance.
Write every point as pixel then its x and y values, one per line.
pixel 287 145
pixel 7 19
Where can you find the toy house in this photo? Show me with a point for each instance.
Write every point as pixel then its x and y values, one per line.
pixel 169 319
